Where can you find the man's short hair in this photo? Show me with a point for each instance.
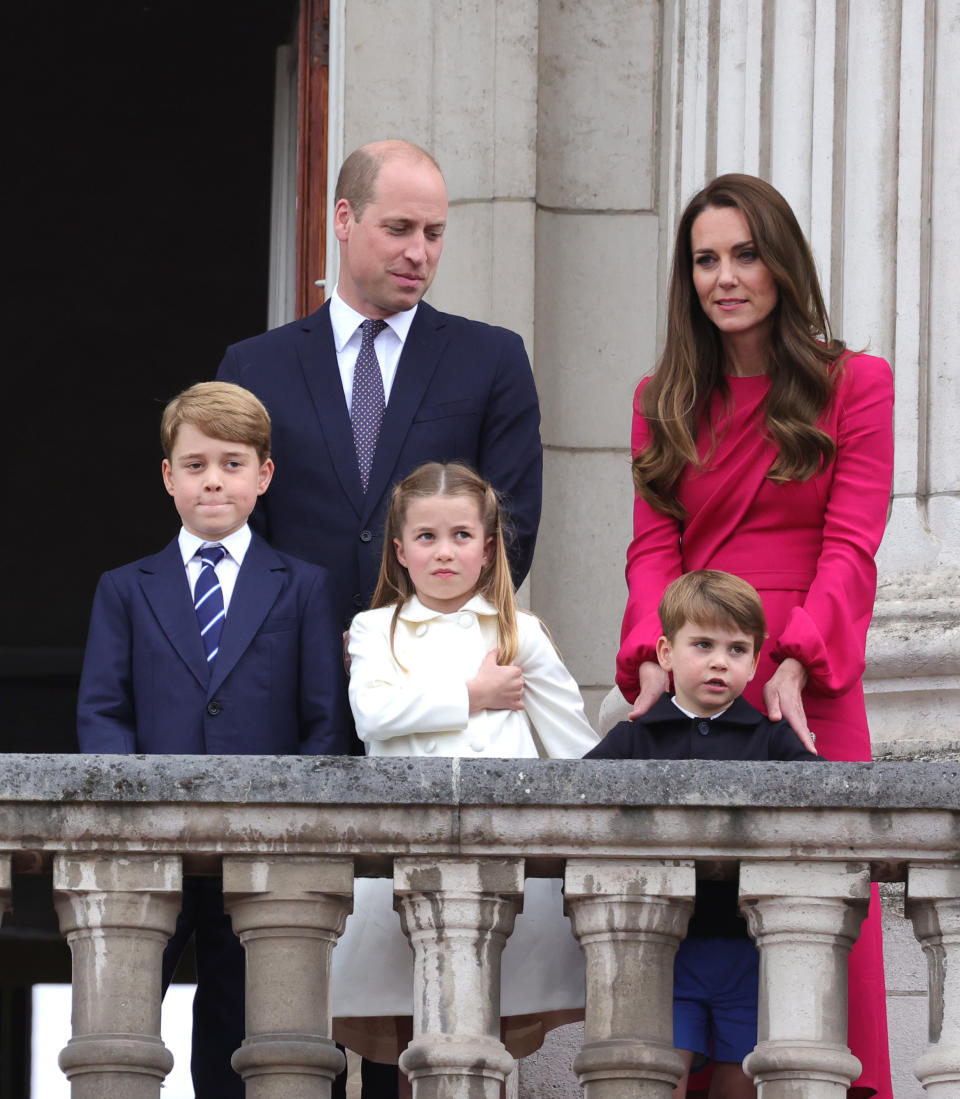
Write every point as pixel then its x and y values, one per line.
pixel 358 176
pixel 221 410
pixel 713 598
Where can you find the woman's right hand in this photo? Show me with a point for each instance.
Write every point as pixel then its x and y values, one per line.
pixel 496 687
pixel 653 682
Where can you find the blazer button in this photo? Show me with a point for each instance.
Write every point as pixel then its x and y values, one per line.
pixel 421 629
pixel 358 601
pixel 430 746
pixel 213 708
pixel 466 620
pixel 366 536
pixel 478 746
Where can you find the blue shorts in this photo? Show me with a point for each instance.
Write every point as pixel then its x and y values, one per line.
pixel 715 986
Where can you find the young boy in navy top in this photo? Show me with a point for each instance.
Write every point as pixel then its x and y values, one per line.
pixel 216 645
pixel 713 626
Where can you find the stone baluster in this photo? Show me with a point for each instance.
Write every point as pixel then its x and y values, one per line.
pixel 5 883
pixel 457 914
pixel 288 912
pixel 804 918
pixel 933 904
pixel 629 915
pixel 117 912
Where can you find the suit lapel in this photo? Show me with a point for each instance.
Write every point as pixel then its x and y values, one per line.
pixel 418 362
pixel 318 361
pixel 259 582
pixel 163 580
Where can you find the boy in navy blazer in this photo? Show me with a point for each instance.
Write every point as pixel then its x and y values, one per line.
pixel 255 668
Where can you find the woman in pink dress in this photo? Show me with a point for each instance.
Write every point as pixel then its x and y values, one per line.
pixel 763 447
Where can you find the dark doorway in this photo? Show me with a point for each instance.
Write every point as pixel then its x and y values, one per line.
pixel 138 157
pixel 138 165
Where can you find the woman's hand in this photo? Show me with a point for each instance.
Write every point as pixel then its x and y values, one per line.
pixel 653 682
pixel 496 687
pixel 782 698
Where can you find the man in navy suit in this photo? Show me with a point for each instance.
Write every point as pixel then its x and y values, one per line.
pixel 454 389
pixel 255 667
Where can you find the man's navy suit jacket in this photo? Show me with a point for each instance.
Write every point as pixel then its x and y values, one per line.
pixel 276 686
pixel 463 391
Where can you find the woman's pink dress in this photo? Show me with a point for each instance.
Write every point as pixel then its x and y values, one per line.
pixel 808 548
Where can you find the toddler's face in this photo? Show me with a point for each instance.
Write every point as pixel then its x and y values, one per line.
pixel 214 483
pixel 443 548
pixel 711 665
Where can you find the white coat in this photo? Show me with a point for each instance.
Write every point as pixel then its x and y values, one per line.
pixel 415 702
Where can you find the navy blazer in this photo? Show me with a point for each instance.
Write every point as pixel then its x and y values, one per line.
pixel 463 391
pixel 276 686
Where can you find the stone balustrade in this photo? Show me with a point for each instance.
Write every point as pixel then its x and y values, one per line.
pixel 289 834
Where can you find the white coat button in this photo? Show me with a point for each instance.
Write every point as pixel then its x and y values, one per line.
pixel 430 746
pixel 421 629
pixel 466 620
pixel 478 746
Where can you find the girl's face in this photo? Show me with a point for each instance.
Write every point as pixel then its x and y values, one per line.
pixel 734 285
pixel 444 550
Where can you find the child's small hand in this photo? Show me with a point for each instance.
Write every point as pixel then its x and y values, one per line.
pixel 496 687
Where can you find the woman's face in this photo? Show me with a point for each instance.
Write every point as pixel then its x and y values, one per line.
pixel 735 287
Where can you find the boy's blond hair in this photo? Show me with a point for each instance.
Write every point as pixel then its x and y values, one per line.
pixel 713 598
pixel 221 410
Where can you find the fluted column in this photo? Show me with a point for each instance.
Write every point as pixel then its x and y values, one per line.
pixel 117 913
pixel 457 914
pixel 804 917
pixel 288 912
pixel 629 916
pixel 933 904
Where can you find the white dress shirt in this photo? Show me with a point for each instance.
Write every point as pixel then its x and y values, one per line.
pixel 235 544
pixel 346 322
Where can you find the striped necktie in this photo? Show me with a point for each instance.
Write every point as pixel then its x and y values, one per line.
pixel 367 401
pixel 208 599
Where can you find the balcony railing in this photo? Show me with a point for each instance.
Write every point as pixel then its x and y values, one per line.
pixel 289 834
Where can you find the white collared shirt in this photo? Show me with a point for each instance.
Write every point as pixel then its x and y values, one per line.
pixel 697 717
pixel 346 321
pixel 235 544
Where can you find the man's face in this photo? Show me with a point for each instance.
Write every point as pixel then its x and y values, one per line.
pixel 389 257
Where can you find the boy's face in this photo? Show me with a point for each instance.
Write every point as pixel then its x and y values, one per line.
pixel 214 483
pixel 711 665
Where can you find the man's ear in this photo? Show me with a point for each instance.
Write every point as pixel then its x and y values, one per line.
pixel 342 217
pixel 665 653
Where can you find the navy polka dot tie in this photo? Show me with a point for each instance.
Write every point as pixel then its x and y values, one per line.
pixel 367 401
pixel 208 599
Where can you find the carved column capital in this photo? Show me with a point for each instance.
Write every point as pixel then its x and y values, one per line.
pixel 117 913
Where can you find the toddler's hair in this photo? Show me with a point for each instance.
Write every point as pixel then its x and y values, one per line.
pixel 221 410
pixel 495 584
pixel 714 598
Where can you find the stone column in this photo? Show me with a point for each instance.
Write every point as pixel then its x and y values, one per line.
pixel 457 914
pixel 933 904
pixel 629 915
pixel 5 881
pixel 288 912
pixel 804 917
pixel 117 912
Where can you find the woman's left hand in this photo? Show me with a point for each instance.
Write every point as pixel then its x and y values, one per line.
pixel 782 698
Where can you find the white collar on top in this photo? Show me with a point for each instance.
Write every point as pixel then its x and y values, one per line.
pixel 235 544
pixel 414 611
pixel 345 321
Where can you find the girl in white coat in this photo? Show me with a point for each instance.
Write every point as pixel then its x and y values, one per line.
pixel 444 664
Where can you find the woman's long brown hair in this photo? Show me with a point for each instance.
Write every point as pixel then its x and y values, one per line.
pixel 802 351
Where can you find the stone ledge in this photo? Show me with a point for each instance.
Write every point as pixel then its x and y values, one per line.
pixel 321 781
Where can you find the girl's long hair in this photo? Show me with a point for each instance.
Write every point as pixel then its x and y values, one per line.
pixel 495 584
pixel 802 351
